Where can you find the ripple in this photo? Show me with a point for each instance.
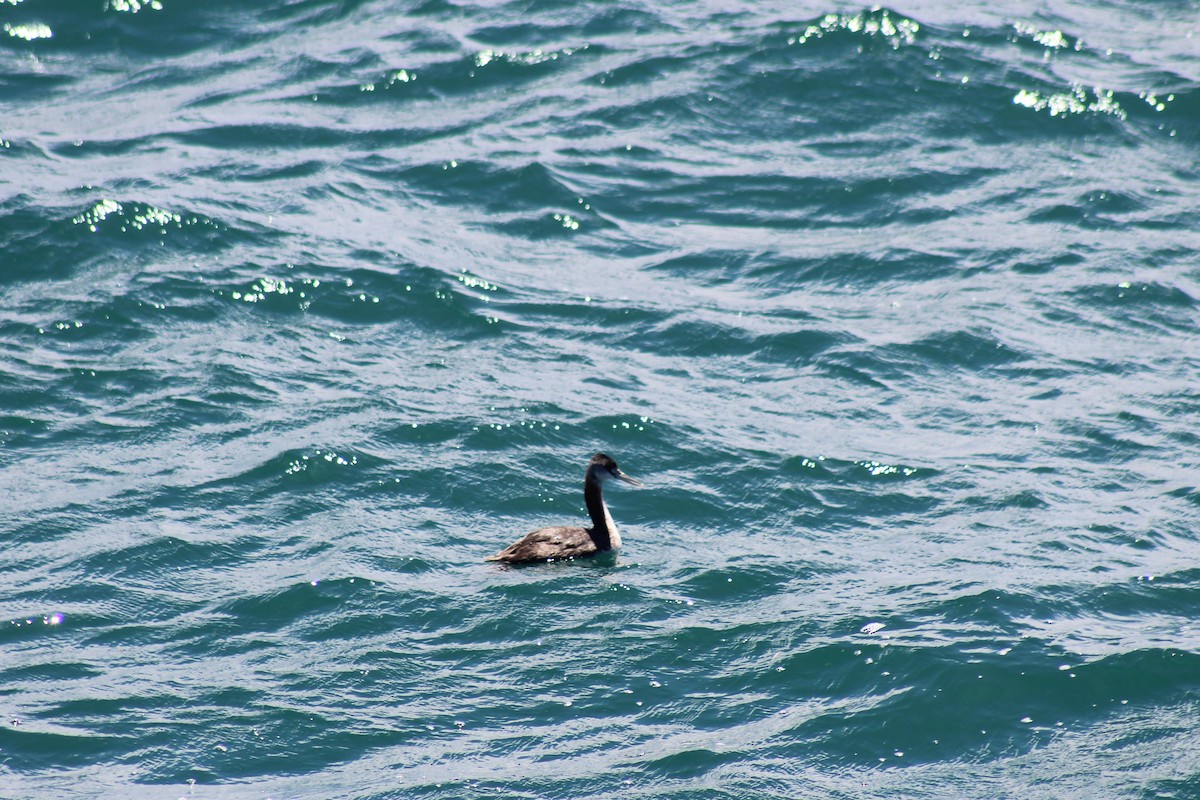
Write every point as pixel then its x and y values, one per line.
pixel 323 305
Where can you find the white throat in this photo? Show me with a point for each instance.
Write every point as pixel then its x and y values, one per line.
pixel 614 535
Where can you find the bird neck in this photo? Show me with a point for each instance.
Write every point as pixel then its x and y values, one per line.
pixel 604 531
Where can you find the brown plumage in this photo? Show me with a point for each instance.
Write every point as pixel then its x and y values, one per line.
pixel 558 542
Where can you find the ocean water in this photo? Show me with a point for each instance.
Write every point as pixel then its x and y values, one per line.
pixel 307 307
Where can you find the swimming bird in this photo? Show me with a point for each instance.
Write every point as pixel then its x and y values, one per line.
pixel 551 544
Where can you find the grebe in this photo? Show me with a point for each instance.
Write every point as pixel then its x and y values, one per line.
pixel 549 544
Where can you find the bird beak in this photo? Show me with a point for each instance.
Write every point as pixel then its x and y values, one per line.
pixel 621 476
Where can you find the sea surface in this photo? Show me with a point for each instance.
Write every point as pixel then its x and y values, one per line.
pixel 307 307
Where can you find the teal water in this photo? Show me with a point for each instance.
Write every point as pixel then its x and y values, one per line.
pixel 307 307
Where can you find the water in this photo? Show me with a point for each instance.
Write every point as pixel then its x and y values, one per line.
pixel 308 307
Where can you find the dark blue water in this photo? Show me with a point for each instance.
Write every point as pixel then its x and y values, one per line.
pixel 308 307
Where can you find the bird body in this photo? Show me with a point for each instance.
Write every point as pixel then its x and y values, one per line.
pixel 547 544
pixel 561 542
